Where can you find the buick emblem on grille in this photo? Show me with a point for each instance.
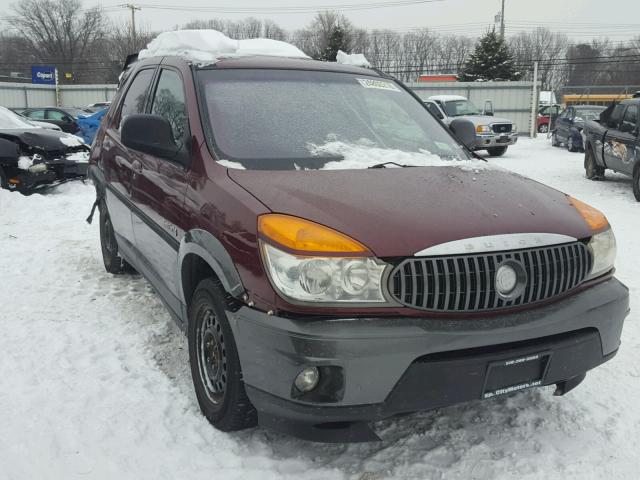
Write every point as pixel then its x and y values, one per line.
pixel 510 279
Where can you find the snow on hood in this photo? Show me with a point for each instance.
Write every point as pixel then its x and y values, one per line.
pixel 71 140
pixel 230 164
pixel 206 47
pixel 364 155
pixel 354 59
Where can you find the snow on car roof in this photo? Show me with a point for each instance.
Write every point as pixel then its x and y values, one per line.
pixel 447 98
pixel 206 47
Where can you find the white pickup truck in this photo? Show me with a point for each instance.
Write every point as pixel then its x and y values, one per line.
pixel 492 134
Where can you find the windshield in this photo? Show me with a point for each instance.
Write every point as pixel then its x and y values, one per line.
pixel 293 119
pixel 11 120
pixel 591 114
pixel 456 108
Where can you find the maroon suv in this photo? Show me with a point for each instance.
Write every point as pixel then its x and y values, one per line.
pixel 335 254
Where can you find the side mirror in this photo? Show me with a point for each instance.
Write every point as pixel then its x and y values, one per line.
pixel 627 127
pixel 488 108
pixel 465 131
pixel 150 134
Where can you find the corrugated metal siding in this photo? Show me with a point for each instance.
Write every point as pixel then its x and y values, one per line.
pixel 22 95
pixel 511 100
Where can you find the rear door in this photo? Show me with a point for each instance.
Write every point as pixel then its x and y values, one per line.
pixel 624 139
pixel 615 140
pixel 159 219
pixel 119 162
pixel 563 124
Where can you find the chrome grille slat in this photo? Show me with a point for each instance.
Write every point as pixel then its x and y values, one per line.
pixel 464 283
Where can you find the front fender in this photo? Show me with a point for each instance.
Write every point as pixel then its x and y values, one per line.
pixel 203 244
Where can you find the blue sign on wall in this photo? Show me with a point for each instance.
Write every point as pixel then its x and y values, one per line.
pixel 43 74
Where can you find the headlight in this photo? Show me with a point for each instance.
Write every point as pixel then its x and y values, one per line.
pixel 325 279
pixel 483 129
pixel 314 263
pixel 603 250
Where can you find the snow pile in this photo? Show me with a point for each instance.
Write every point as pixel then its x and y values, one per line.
pixel 206 47
pixel 354 59
pixel 71 140
pixel 364 155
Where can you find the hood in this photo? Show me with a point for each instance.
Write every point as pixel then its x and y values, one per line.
pixel 398 212
pixel 482 119
pixel 44 139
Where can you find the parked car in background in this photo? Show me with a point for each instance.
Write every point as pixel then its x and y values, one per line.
pixel 569 125
pixel 545 116
pixel 33 157
pixel 611 142
pixel 493 134
pixel 337 265
pixel 65 118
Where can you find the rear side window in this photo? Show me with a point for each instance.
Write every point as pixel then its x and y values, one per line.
pixel 36 114
pixel 616 116
pixel 133 102
pixel 433 108
pixel 169 102
pixel 55 115
pixel 630 120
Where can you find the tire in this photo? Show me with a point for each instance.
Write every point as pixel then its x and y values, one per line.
pixel 570 146
pixel 554 140
pixel 113 263
pixel 592 170
pixel 215 366
pixel 636 181
pixel 496 151
pixel 3 179
pixel 543 128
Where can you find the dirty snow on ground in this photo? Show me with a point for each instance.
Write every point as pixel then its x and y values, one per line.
pixel 206 47
pixel 95 382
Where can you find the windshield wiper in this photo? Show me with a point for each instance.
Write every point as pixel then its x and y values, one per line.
pixel 384 165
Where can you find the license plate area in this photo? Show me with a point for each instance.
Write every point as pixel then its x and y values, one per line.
pixel 515 374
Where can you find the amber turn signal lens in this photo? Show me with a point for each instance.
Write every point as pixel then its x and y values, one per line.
pixel 594 218
pixel 306 236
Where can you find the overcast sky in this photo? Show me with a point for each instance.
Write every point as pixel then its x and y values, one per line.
pixel 578 18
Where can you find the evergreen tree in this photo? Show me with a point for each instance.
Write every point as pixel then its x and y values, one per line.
pixel 337 41
pixel 491 60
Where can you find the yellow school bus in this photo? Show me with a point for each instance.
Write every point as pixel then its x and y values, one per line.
pixel 593 98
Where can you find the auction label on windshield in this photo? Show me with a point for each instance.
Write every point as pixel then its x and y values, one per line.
pixel 378 84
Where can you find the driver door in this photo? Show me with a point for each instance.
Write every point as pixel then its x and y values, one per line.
pixel 620 142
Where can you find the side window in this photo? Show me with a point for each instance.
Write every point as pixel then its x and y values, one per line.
pixel 133 102
pixel 564 113
pixel 433 108
pixel 169 102
pixel 630 120
pixel 36 114
pixel 616 116
pixel 55 115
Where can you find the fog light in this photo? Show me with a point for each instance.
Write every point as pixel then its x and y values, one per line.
pixel 307 379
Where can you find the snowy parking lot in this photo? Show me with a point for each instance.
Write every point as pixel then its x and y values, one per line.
pixel 95 380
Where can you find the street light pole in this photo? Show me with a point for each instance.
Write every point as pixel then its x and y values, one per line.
pixel 502 21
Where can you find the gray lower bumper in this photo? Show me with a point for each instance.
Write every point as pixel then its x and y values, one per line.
pixel 373 354
pixel 493 141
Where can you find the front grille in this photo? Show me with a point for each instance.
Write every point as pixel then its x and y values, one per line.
pixel 501 127
pixel 465 283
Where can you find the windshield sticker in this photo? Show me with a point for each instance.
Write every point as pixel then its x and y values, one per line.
pixel 378 84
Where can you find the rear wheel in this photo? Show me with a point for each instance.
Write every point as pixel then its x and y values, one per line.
pixel 570 145
pixel 636 182
pixel 592 170
pixel 215 366
pixel 496 151
pixel 113 263
pixel 554 140
pixel 543 128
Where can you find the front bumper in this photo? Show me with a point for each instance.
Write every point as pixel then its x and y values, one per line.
pixel 57 171
pixel 495 140
pixel 379 367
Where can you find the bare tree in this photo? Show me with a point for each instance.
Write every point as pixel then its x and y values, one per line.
pixel 59 32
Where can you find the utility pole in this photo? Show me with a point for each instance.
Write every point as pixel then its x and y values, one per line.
pixel 133 9
pixel 502 21
pixel 534 102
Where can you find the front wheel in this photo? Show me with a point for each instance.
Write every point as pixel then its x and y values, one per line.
pixel 215 366
pixel 496 151
pixel 636 182
pixel 592 170
pixel 113 263
pixel 554 140
pixel 3 179
pixel 571 145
